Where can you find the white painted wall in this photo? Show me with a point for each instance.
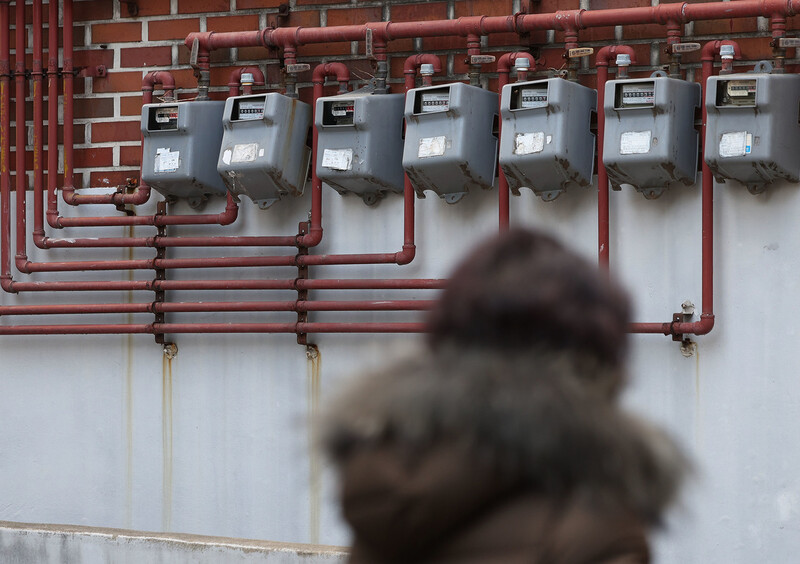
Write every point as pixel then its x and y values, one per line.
pixel 104 431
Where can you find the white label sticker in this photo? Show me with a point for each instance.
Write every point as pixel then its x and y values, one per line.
pixel 432 147
pixel 338 159
pixel 166 160
pixel 244 153
pixel 635 142
pixel 527 143
pixel 734 144
pixel 226 156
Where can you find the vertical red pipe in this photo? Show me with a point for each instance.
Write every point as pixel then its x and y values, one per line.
pixel 69 100
pixel 604 55
pixel 5 152
pixel 38 122
pixel 52 105
pixel 504 64
pixel 19 106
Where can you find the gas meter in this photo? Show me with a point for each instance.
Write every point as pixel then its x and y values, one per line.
pixel 451 142
pixel 265 152
pixel 546 143
pixel 360 143
pixel 752 131
pixel 179 148
pixel 650 140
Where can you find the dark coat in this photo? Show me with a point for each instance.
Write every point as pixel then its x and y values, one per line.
pixel 480 457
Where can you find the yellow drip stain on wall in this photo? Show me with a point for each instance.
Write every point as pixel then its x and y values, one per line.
pixel 314 367
pixel 166 442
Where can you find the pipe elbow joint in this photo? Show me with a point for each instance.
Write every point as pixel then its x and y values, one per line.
pixel 40 240
pixel 711 49
pixel 605 54
pixel 706 324
pixel 7 284
pixel 506 61
pixel 310 239
pixel 53 220
pixel 23 264
pixel 406 255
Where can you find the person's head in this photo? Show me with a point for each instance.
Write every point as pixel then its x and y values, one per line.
pixel 522 290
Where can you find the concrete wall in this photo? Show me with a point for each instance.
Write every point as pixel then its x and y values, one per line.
pixel 26 543
pixel 105 431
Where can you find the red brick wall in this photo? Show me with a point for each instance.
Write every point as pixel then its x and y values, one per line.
pixel 107 109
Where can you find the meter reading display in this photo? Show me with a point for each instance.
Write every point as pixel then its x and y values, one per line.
pixel 249 109
pixel 163 118
pixel 736 93
pixel 635 95
pixel 338 112
pixel 430 101
pixel 529 97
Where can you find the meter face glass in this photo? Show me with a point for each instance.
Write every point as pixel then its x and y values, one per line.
pixel 529 97
pixel 635 95
pixel 736 93
pixel 248 109
pixel 163 118
pixel 338 112
pixel 431 101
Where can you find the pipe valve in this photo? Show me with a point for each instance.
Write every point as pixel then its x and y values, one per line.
pixel 521 64
pixel 426 69
pixel 726 52
pixel 623 62
pixel 247 79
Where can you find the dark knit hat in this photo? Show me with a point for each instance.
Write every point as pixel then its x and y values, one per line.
pixel 523 289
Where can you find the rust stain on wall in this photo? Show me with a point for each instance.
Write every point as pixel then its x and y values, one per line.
pixel 314 366
pixel 166 441
pixel 129 403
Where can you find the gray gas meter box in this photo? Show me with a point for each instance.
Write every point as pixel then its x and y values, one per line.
pixel 545 142
pixel 360 143
pixel 265 152
pixel 450 144
pixel 752 131
pixel 180 148
pixel 650 140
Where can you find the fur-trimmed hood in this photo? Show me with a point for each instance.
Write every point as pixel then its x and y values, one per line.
pixel 548 417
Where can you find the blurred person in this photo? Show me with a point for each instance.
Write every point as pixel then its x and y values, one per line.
pixel 501 440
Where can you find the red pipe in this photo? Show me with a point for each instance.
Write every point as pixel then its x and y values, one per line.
pixel 235 80
pixel 21 129
pixel 342 74
pixel 706 322
pixel 484 25
pixel 162 328
pixel 142 192
pixel 206 307
pixel 572 20
pixel 406 255
pixel 5 149
pixel 604 55
pixel 504 64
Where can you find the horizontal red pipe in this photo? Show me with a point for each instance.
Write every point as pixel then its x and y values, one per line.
pixel 368 284
pixel 163 328
pixel 156 241
pixel 485 25
pixel 152 264
pixel 154 285
pixel 225 307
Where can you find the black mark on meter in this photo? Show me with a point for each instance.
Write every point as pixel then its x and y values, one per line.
pixel 528 97
pixel 736 93
pixel 430 101
pixel 634 95
pixel 246 109
pixel 338 112
pixel 163 118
